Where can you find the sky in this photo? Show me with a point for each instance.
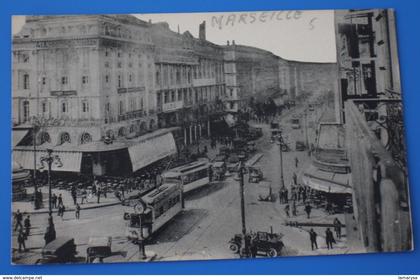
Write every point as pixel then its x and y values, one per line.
pixel 294 35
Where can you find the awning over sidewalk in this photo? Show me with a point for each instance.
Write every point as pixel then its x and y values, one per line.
pixel 71 161
pixel 329 182
pixel 151 150
pixel 18 135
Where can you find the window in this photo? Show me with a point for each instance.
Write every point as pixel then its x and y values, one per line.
pixel 166 98
pixel 26 81
pixel 106 78
pixel 172 96
pixel 44 80
pixel 106 53
pixel 179 96
pixel 85 80
pixel 85 107
pixel 119 80
pixel 106 64
pixel 44 107
pixel 25 111
pixel 129 78
pixel 64 108
pixel 119 64
pixel 119 54
pixel 64 80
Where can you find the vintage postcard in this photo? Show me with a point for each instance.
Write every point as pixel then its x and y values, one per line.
pixel 165 137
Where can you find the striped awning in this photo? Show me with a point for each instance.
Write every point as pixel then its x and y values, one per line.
pixel 151 150
pixel 70 161
pixel 18 135
pixel 329 182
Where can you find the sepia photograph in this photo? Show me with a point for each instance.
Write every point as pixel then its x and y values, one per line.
pixel 202 136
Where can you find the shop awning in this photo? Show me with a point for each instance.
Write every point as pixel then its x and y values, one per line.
pixel 329 182
pixel 151 150
pixel 18 135
pixel 71 161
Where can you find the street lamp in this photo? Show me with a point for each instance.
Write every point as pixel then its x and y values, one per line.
pixel 245 252
pixel 280 143
pixel 49 159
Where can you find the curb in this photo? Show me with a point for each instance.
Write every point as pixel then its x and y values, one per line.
pixel 72 209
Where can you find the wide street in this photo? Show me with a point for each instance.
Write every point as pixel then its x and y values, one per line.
pixel 211 215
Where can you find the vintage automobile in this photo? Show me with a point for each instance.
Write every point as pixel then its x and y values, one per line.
pixel 219 169
pixel 255 174
pixel 267 243
pixel 98 248
pixel 265 192
pixel 60 250
pixel 300 145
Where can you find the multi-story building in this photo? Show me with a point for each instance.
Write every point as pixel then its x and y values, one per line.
pixel 249 73
pixel 189 80
pixel 78 80
pixel 371 107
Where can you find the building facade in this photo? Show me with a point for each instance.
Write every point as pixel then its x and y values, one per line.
pixel 249 73
pixel 371 107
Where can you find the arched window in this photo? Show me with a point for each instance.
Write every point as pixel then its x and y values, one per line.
pixel 85 138
pixel 65 138
pixel 122 131
pixel 45 137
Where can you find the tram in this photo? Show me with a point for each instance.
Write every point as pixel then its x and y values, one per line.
pixel 149 213
pixel 192 175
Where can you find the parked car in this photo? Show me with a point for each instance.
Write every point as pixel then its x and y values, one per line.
pixel 233 162
pixel 270 244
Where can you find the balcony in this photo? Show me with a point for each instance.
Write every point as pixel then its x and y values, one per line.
pixel 172 106
pixel 130 115
pixel 204 82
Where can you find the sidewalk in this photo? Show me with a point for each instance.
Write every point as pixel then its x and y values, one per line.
pixel 28 206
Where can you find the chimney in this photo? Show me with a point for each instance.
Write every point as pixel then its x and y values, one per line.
pixel 178 29
pixel 202 31
pixel 228 42
pixel 233 42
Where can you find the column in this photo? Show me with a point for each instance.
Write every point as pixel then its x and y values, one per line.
pixel 195 132
pixel 199 130
pixel 191 135
pixel 185 136
pixel 208 129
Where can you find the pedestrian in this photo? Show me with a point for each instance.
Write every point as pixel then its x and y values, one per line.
pixel 84 196
pixel 54 200
pixel 60 200
pixel 304 195
pixel 296 162
pixel 312 237
pixel 77 211
pixel 328 208
pixel 294 178
pixel 287 210
pixel 98 193
pixel 27 225
pixel 73 193
pixel 61 210
pixel 286 195
pixel 281 196
pixel 337 228
pixel 122 191
pixel 294 209
pixel 21 240
pixel 308 210
pixel 18 220
pixel 329 238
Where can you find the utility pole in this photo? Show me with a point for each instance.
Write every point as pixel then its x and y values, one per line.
pixel 245 251
pixel 306 129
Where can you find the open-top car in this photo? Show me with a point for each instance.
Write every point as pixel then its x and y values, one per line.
pixel 267 243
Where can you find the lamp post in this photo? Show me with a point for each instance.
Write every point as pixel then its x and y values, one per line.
pixel 245 251
pixel 49 159
pixel 280 143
